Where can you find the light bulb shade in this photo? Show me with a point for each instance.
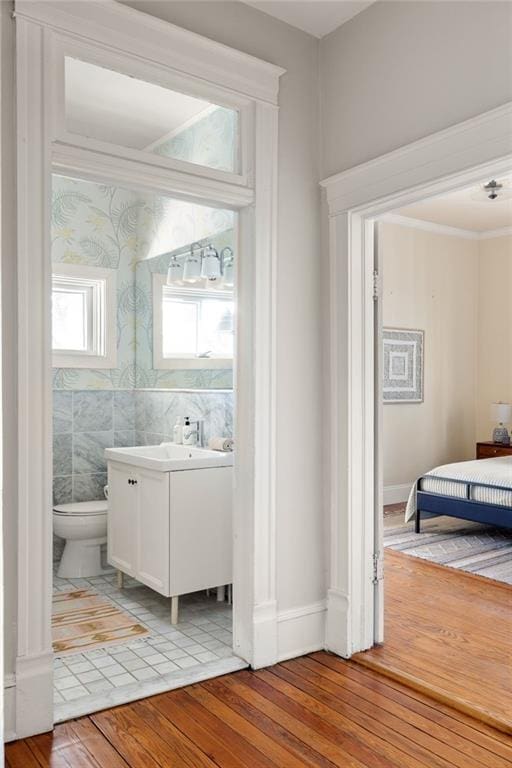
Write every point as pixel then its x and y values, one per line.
pixel 175 272
pixel 211 264
pixel 192 268
pixel 228 278
pixel 227 259
pixel 501 412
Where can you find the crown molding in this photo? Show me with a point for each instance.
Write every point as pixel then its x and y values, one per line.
pixel 443 229
pixel 137 33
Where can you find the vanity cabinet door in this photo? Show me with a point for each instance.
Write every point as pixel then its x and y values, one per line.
pixel 122 509
pixel 201 533
pixel 152 532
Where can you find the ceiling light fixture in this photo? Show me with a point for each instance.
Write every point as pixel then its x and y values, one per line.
pixel 493 190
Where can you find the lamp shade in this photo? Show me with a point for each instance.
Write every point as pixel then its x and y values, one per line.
pixel 501 412
pixel 211 264
pixel 192 268
pixel 175 271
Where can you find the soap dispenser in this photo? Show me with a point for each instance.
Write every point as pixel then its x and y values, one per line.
pixel 178 432
pixel 189 432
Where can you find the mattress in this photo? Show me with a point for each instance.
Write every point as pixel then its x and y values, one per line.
pixel 495 473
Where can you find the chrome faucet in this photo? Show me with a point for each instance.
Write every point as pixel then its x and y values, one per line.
pixel 199 430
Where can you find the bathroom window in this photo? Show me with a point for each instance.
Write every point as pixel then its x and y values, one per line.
pixel 83 317
pixel 192 328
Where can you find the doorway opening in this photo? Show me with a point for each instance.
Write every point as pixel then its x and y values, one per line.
pixel 143 337
pixel 445 461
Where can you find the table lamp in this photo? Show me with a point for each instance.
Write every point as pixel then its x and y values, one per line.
pixel 502 413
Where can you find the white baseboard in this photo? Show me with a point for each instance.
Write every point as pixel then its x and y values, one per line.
pixel 338 635
pixel 9 708
pixel 264 645
pixel 396 494
pixel 301 630
pixel 29 697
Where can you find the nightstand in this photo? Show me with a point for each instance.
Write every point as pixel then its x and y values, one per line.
pixel 491 450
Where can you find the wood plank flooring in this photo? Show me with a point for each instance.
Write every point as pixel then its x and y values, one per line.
pixel 449 634
pixel 314 711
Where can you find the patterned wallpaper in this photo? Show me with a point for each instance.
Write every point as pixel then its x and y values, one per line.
pixel 111 227
pixel 146 375
pixel 210 141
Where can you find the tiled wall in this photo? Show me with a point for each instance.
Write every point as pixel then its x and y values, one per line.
pixel 88 421
pixel 157 411
pixel 85 422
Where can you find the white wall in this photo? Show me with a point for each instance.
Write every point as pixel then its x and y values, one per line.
pixel 301 570
pixel 9 360
pixel 399 71
pixel 459 292
pixel 430 283
pixel 494 330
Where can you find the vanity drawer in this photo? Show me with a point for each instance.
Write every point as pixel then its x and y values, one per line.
pixel 491 450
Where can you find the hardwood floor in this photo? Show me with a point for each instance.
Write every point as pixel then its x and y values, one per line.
pixel 449 634
pixel 315 711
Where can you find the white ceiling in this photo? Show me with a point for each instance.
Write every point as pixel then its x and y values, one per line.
pixel 113 107
pixel 318 17
pixel 458 209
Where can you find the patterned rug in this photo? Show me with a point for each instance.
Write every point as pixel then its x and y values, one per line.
pixel 457 543
pixel 82 620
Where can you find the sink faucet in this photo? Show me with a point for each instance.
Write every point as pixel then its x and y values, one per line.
pixel 199 431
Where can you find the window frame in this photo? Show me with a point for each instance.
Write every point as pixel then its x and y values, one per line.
pixel 181 361
pixel 102 328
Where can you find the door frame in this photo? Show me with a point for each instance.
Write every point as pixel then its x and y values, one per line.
pixel 459 156
pixel 44 31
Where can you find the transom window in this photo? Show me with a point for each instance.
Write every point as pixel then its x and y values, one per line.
pixel 83 317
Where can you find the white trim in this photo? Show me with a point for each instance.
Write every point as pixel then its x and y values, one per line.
pixel 255 600
pixel 443 229
pixel 109 317
pixel 490 234
pixel 91 165
pixel 457 157
pixel 178 363
pixel 301 630
pixel 119 27
pixel 428 226
pixel 396 494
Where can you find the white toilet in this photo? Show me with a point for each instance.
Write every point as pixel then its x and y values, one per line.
pixel 84 527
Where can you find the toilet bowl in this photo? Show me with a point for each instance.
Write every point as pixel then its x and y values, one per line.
pixel 83 525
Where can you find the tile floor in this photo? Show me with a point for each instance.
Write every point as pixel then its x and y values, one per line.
pixel 202 635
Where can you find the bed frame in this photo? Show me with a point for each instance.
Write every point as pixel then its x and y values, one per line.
pixel 464 508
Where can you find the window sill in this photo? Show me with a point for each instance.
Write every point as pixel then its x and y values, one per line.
pixel 194 363
pixel 83 361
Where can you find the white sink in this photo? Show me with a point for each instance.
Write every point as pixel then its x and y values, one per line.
pixel 169 457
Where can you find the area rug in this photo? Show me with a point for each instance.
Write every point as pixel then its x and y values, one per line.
pixel 456 543
pixel 83 620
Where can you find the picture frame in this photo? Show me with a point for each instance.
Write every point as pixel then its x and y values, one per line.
pixel 402 365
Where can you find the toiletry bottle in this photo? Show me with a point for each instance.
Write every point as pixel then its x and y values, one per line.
pixel 189 432
pixel 178 432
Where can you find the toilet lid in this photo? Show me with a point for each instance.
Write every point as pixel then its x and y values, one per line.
pixel 82 508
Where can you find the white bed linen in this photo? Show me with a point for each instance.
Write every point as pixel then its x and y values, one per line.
pixel 497 471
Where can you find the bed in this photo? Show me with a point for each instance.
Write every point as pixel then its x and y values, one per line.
pixel 479 490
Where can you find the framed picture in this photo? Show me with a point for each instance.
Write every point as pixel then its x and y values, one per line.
pixel 402 365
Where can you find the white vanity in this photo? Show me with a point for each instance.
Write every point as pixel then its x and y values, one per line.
pixel 170 517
